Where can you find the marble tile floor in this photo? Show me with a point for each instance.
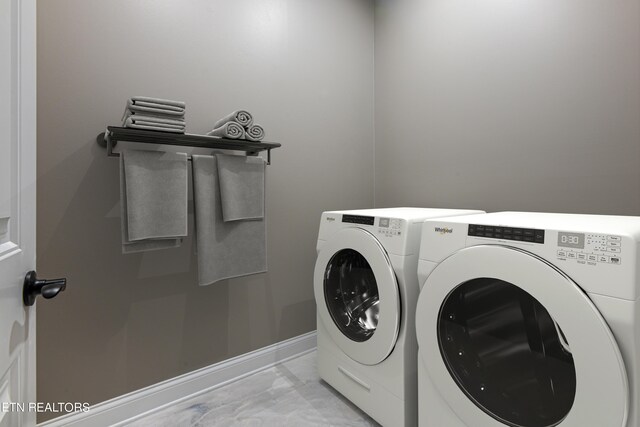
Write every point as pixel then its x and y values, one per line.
pixel 288 394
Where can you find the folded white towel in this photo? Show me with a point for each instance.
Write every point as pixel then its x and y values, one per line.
pixel 154 123
pixel 163 125
pixel 241 116
pixel 230 130
pixel 255 133
pixel 154 107
pixel 156 111
pixel 159 102
pixel 137 118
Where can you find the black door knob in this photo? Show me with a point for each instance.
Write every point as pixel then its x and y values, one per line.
pixel 34 287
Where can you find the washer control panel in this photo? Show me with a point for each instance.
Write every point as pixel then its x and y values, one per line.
pixel 588 248
pixel 389 227
pixel 358 219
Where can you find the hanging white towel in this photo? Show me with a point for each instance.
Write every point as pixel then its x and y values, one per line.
pixel 153 199
pixel 225 249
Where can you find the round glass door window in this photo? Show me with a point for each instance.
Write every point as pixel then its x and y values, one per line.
pixel 507 354
pixel 351 294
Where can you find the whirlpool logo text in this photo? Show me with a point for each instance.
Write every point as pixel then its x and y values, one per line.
pixel 444 230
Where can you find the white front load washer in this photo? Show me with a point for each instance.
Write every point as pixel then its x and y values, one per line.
pixel 529 320
pixel 366 288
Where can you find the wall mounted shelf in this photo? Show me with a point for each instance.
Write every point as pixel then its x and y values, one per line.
pixel 113 134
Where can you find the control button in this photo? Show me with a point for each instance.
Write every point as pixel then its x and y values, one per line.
pixel 582 256
pixel 528 238
pixel 539 236
pixel 571 255
pixel 562 254
pixel 480 228
pixel 603 258
pixel 615 260
pixel 517 237
pixel 616 250
pixel 528 233
pixel 614 238
pixel 497 229
pixel 488 234
pixel 613 244
pixel 488 229
pixel 507 230
pixel 517 232
pixel 592 257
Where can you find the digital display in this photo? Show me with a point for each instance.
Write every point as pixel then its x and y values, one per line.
pixel 384 222
pixel 571 240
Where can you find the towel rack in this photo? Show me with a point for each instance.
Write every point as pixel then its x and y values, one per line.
pixel 113 134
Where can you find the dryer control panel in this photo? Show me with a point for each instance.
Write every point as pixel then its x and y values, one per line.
pixel 583 248
pixel 588 248
pixel 389 227
pixel 507 233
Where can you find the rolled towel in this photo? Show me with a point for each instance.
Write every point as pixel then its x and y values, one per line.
pixel 138 121
pixel 241 116
pixel 230 130
pixel 255 133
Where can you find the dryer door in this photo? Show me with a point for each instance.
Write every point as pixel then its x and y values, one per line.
pixel 357 295
pixel 509 340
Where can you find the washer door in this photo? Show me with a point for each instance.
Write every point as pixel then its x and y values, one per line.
pixel 508 339
pixel 357 295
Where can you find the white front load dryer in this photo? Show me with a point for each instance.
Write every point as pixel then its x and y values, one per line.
pixel 529 320
pixel 366 288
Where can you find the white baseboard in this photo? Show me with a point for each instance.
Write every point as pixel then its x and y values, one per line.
pixel 126 408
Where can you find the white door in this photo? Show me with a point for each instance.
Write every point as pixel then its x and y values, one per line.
pixel 357 295
pixel 509 340
pixel 17 209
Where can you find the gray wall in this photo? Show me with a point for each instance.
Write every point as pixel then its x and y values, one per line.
pixel 500 104
pixel 303 67
pixel 508 105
